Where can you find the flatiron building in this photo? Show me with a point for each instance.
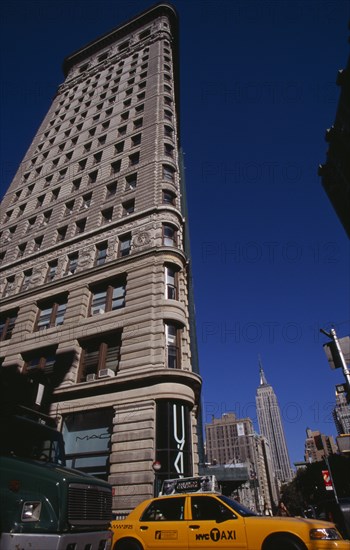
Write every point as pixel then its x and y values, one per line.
pixel 96 294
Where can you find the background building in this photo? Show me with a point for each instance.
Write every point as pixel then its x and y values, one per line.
pixel 233 444
pixel 341 413
pixel 96 287
pixel 318 446
pixel 335 172
pixel 270 426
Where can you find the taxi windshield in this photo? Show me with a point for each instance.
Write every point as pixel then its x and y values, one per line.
pixel 237 507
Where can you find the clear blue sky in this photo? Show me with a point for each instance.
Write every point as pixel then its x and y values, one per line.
pixel 270 258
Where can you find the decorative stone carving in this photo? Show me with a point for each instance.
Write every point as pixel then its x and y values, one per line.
pixel 37 277
pixel 142 239
pixel 86 257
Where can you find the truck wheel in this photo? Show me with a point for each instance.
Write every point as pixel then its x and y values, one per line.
pixel 283 543
pixel 128 544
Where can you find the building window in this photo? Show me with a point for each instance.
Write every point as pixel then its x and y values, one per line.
pixel 51 314
pixel 69 208
pixel 72 264
pixel 129 207
pixel 21 250
pixel 144 34
pixel 76 184
pixel 140 108
pixel 8 216
pixel 169 235
pixel 101 253
pixel 61 233
pixel 21 210
pixel 61 174
pixel 16 196
pixel 55 194
pixel 115 167
pixel 168 100
pixel 86 200
pixel 131 181
pixel 88 454
pixel 138 123
pixel 172 337
pixel 97 157
pixel 12 231
pixel 102 57
pixel 168 150
pixel 111 190
pixel 136 140
pixel 100 355
pixel 81 165
pixel 43 362
pixel 107 215
pixel 168 197
pixel 51 271
pixel 168 114
pixel 168 132
pixel 125 245
pixel 92 176
pixel 168 173
pixel 37 244
pixel 170 282
pixel 7 323
pixel 107 297
pixel 47 216
pixel 80 226
pixel 119 147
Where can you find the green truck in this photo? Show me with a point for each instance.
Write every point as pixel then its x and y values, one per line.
pixel 43 504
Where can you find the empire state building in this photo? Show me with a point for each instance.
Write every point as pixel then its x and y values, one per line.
pixel 270 425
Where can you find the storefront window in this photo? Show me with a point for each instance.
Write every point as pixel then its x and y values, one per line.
pixel 87 437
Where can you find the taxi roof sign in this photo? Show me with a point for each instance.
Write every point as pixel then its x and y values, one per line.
pixel 198 484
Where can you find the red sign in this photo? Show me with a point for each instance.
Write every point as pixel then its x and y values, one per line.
pixel 327 480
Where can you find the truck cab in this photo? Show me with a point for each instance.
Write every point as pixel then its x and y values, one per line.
pixel 45 505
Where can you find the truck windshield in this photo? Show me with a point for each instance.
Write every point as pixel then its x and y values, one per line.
pixel 24 438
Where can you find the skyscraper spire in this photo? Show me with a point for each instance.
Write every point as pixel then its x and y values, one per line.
pixel 270 426
pixel 263 381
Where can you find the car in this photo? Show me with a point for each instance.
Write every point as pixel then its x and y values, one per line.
pixel 337 511
pixel 210 520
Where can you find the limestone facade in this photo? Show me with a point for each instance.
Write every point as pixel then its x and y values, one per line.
pixel 94 270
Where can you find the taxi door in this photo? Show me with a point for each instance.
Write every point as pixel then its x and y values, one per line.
pixel 163 526
pixel 214 525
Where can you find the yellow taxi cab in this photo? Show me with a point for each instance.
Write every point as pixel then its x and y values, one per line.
pixel 205 521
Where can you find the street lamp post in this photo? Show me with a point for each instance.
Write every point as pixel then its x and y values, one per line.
pixel 339 358
pixel 156 466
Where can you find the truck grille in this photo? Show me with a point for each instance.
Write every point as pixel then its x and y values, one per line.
pixel 89 505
